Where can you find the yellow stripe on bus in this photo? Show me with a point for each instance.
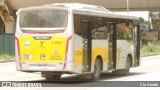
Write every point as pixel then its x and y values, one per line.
pixel 103 52
pixel 52 50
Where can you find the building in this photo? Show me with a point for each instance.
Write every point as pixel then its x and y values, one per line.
pixel 7 20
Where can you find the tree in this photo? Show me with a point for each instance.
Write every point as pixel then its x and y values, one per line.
pixel 141 20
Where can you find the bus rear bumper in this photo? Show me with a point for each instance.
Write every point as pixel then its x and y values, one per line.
pixel 42 67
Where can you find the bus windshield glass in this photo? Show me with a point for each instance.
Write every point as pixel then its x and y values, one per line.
pixel 44 19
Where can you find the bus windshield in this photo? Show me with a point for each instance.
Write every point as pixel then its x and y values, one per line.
pixel 44 19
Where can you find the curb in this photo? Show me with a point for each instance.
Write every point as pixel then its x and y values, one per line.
pixel 151 55
pixel 7 61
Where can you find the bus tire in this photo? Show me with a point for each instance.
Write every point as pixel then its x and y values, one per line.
pixel 51 76
pixel 124 71
pixel 97 70
pixel 128 66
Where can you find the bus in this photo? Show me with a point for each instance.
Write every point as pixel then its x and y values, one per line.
pixel 75 38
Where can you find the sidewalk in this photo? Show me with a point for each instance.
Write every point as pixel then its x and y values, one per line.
pixel 150 57
pixel 5 61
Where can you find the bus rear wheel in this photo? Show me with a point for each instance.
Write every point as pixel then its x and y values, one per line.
pixel 97 70
pixel 126 70
pixel 54 77
pixel 51 76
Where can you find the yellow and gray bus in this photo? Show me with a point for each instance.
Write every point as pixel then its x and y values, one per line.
pixel 73 38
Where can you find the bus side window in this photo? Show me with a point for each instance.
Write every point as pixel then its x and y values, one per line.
pixel 124 31
pixel 100 28
pixel 77 23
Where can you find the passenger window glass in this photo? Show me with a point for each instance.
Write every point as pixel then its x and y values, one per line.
pixel 77 21
pixel 99 30
pixel 124 31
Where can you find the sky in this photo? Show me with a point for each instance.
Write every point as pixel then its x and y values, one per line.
pixel 143 14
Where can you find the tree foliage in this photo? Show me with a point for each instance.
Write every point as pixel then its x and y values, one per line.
pixel 141 20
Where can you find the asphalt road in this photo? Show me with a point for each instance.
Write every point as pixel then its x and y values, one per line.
pixel 148 71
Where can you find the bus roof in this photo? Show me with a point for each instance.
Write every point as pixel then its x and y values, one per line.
pixel 92 8
pixel 81 6
pixel 89 9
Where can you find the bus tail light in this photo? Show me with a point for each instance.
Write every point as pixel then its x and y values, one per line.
pixel 66 53
pixel 18 47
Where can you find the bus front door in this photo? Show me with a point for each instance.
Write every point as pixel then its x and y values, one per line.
pixel 112 46
pixel 87 45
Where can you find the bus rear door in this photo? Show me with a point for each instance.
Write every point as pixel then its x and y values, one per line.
pixel 87 45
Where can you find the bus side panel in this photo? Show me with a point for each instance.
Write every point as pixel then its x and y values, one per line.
pixel 124 48
pixel 78 55
pixel 100 48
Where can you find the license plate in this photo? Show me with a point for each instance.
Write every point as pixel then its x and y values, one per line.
pixel 42 67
